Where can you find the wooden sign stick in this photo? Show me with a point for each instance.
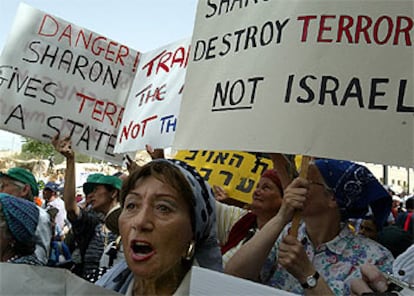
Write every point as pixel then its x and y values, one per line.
pixel 297 216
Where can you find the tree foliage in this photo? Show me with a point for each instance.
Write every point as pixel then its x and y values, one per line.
pixel 38 150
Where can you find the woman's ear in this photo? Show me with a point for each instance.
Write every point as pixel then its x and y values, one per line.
pixel 115 194
pixel 26 190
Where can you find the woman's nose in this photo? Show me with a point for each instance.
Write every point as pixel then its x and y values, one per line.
pixel 144 219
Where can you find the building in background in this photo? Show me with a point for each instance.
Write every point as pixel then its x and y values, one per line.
pixel 400 179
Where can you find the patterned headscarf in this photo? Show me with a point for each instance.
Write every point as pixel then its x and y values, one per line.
pixel 356 190
pixel 21 216
pixel 207 251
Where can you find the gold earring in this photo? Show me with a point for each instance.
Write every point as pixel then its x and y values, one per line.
pixel 190 251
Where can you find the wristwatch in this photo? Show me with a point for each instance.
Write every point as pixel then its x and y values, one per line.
pixel 311 281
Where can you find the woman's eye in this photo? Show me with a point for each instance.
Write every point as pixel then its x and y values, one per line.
pixel 163 209
pixel 130 206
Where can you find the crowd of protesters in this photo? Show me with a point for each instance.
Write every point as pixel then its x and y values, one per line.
pixel 351 226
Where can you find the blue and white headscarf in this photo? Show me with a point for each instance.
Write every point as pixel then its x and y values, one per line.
pixel 207 251
pixel 356 190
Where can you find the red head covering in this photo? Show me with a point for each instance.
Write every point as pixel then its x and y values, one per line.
pixel 274 177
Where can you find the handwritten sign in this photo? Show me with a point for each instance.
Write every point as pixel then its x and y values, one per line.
pixel 24 279
pixel 58 78
pixel 237 172
pixel 319 78
pixel 209 282
pixel 152 108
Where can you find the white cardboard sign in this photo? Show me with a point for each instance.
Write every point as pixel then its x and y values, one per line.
pixel 152 108
pixel 320 78
pixel 56 77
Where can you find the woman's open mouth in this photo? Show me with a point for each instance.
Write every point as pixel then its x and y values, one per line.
pixel 141 250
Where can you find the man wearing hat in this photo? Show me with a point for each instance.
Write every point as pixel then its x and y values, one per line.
pixel 93 237
pixel 21 183
pixel 101 192
pixel 50 194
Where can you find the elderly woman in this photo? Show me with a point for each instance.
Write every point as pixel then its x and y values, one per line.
pixel 167 224
pixel 18 222
pixel 326 255
pixel 237 225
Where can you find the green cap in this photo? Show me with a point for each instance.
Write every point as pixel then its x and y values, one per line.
pixel 100 179
pixel 24 176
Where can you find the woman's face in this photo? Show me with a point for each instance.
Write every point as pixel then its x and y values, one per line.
pixel 318 194
pixel 155 226
pixel 100 199
pixel 267 198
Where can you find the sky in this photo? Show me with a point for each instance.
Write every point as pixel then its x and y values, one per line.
pixel 143 25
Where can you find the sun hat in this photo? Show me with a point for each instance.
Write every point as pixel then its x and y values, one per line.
pixel 24 176
pixel 100 179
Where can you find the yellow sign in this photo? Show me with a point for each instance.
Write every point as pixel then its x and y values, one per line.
pixel 237 172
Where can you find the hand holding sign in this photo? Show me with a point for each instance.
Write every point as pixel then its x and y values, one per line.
pixel 303 174
pixel 63 146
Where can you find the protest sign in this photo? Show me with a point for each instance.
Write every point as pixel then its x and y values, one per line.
pixel 152 108
pixel 237 172
pixel 320 78
pixel 208 282
pixel 24 279
pixel 56 77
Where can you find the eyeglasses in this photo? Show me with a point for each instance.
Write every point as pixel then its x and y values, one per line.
pixel 320 184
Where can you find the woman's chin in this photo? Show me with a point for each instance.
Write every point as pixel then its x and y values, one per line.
pixel 144 272
pixel 255 206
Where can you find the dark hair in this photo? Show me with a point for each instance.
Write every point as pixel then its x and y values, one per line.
pixel 167 173
pixel 409 203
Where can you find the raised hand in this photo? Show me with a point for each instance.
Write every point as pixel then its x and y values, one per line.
pixel 63 146
pixel 130 164
pixel 219 193
pixel 293 258
pixel 154 153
